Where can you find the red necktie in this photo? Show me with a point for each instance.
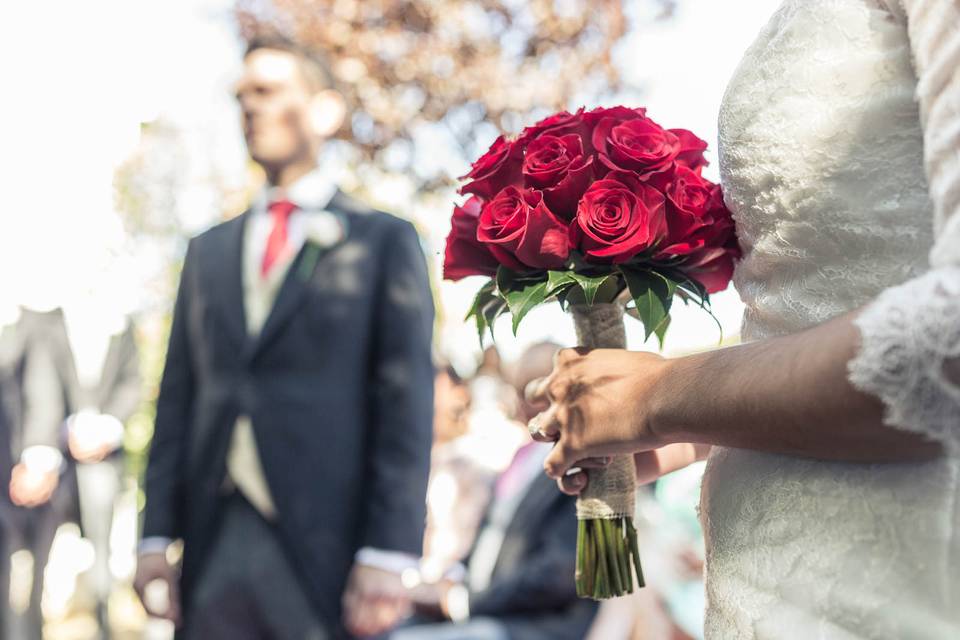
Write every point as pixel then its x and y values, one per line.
pixel 279 211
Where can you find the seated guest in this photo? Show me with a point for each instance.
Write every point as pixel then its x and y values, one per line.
pixel 460 488
pixel 518 581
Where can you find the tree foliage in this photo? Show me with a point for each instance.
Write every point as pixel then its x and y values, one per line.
pixel 472 67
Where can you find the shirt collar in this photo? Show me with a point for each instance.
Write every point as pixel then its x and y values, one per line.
pixel 313 191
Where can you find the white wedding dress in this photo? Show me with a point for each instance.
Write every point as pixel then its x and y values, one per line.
pixel 846 190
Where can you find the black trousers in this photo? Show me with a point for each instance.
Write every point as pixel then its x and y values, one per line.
pixel 247 589
pixel 33 530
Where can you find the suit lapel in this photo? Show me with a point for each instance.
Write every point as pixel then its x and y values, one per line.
pixel 111 365
pixel 295 286
pixel 228 280
pixel 288 300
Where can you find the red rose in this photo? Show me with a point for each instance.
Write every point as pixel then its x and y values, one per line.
pixel 621 114
pixel 690 201
pixel 557 124
pixel 549 158
pixel 713 266
pixel 639 145
pixel 558 166
pixel 581 123
pixel 691 150
pixel 499 167
pixel 465 255
pixel 522 232
pixel 618 218
pixel 712 263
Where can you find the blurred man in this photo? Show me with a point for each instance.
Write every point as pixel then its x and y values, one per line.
pixel 96 354
pixel 292 438
pixel 33 457
pixel 518 581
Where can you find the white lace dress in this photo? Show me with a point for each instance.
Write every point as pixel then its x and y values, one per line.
pixel 847 192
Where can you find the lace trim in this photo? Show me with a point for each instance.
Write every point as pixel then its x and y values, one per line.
pixel 910 355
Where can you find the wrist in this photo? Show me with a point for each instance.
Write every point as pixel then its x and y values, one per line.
pixel 663 419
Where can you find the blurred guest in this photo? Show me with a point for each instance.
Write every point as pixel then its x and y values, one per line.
pixel 517 582
pixel 34 409
pixel 494 434
pixel 474 443
pixel 459 488
pixel 96 354
pixel 451 404
pixel 7 390
pixel 292 439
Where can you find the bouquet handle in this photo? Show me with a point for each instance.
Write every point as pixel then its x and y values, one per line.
pixel 607 550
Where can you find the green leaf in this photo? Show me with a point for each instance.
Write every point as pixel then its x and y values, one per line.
pixel 563 296
pixel 509 280
pixel 523 300
pixel 695 290
pixel 717 321
pixel 558 281
pixel 485 295
pixel 652 292
pixel 505 279
pixel 491 311
pixel 661 331
pixel 591 284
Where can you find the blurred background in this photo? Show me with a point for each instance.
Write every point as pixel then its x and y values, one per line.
pixel 121 139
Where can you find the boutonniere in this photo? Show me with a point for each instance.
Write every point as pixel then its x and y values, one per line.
pixel 323 231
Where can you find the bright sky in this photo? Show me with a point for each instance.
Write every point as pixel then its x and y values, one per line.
pixel 79 78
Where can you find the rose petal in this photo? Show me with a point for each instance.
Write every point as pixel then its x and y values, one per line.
pixel 565 196
pixel 464 255
pixel 691 150
pixel 521 232
pixel 714 274
pixel 496 170
pixel 546 241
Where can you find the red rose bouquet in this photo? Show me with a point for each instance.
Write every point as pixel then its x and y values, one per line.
pixel 607 212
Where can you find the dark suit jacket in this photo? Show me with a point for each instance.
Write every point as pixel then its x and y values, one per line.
pixel 532 590
pixel 339 386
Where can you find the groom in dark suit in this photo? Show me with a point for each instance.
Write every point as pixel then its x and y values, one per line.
pixel 292 439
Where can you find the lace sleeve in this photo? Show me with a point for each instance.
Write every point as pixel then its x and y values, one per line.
pixel 910 353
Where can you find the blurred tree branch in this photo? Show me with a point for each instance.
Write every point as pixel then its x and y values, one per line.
pixel 460 64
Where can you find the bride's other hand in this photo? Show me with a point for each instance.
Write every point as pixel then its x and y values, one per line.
pixel 650 465
pixel 597 404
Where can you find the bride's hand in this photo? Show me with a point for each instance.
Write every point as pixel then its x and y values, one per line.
pixel 598 403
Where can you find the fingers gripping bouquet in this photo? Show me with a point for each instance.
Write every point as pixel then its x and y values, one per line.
pixel 607 212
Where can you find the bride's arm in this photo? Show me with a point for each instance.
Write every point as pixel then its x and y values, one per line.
pixel 879 384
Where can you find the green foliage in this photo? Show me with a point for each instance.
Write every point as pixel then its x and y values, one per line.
pixel 521 301
pixel 652 293
pixel 651 289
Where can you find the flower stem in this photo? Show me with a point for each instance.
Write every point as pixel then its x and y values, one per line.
pixel 606 549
